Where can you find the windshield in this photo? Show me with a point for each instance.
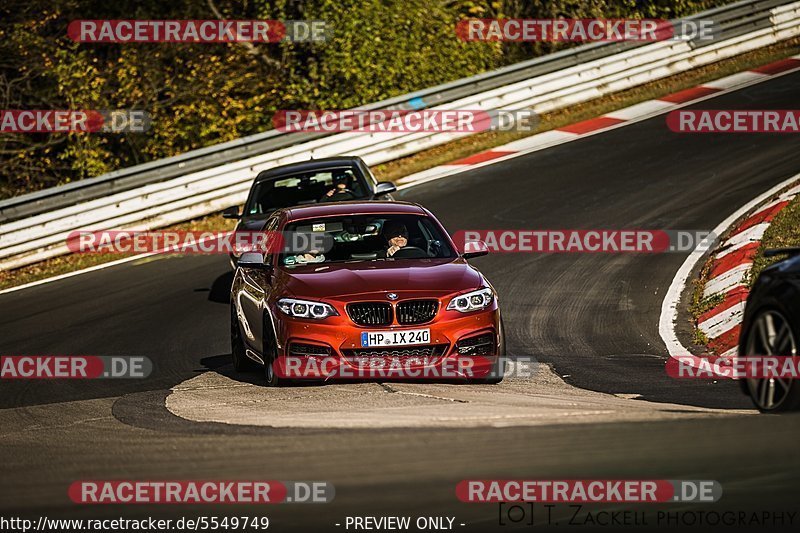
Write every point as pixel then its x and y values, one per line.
pixel 357 238
pixel 328 185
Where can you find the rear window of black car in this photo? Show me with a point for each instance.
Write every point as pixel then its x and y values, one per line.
pixel 326 185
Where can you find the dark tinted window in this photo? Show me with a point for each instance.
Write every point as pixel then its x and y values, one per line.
pixel 367 238
pixel 329 185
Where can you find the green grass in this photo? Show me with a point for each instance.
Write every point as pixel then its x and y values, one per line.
pixel 782 233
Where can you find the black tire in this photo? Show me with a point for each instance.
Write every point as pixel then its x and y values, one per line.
pixel 782 337
pixel 499 367
pixel 241 363
pixel 270 353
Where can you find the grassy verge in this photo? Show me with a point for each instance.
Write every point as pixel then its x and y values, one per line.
pixel 439 155
pixel 782 233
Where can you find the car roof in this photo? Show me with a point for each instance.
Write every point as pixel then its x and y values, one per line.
pixel 309 166
pixel 352 208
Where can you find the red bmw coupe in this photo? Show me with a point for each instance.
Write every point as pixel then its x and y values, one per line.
pixel 386 296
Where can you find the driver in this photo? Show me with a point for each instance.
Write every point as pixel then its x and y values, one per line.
pixel 340 191
pixel 396 235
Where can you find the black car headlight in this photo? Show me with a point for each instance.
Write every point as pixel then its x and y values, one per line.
pixel 305 308
pixel 472 301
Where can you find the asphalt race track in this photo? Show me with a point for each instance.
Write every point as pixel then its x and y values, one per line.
pixel 592 317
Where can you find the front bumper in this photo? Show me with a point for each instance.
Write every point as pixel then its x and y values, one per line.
pixel 462 346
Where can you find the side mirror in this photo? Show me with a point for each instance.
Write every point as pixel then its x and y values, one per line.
pixel 231 212
pixel 252 260
pixel 384 187
pixel 475 249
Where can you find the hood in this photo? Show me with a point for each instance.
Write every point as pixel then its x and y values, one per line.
pixel 436 276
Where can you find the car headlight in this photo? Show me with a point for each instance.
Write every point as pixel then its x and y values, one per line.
pixel 472 301
pixel 306 309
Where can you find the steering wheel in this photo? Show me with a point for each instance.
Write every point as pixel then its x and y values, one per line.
pixel 410 252
pixel 339 197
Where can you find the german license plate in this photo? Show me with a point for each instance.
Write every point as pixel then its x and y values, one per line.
pixel 407 337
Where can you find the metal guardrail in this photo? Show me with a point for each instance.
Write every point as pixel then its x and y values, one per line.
pixel 207 180
pixel 735 19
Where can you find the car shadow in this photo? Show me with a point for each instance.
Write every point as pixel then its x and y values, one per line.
pixel 222 365
pixel 220 290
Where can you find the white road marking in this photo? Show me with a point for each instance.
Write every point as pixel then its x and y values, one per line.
pixel 644 109
pixel 742 239
pixel 722 322
pixel 727 281
pixel 735 80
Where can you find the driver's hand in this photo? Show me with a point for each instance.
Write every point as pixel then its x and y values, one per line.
pixel 330 192
pixel 392 249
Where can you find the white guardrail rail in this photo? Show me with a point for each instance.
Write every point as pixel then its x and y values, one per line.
pixel 43 235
